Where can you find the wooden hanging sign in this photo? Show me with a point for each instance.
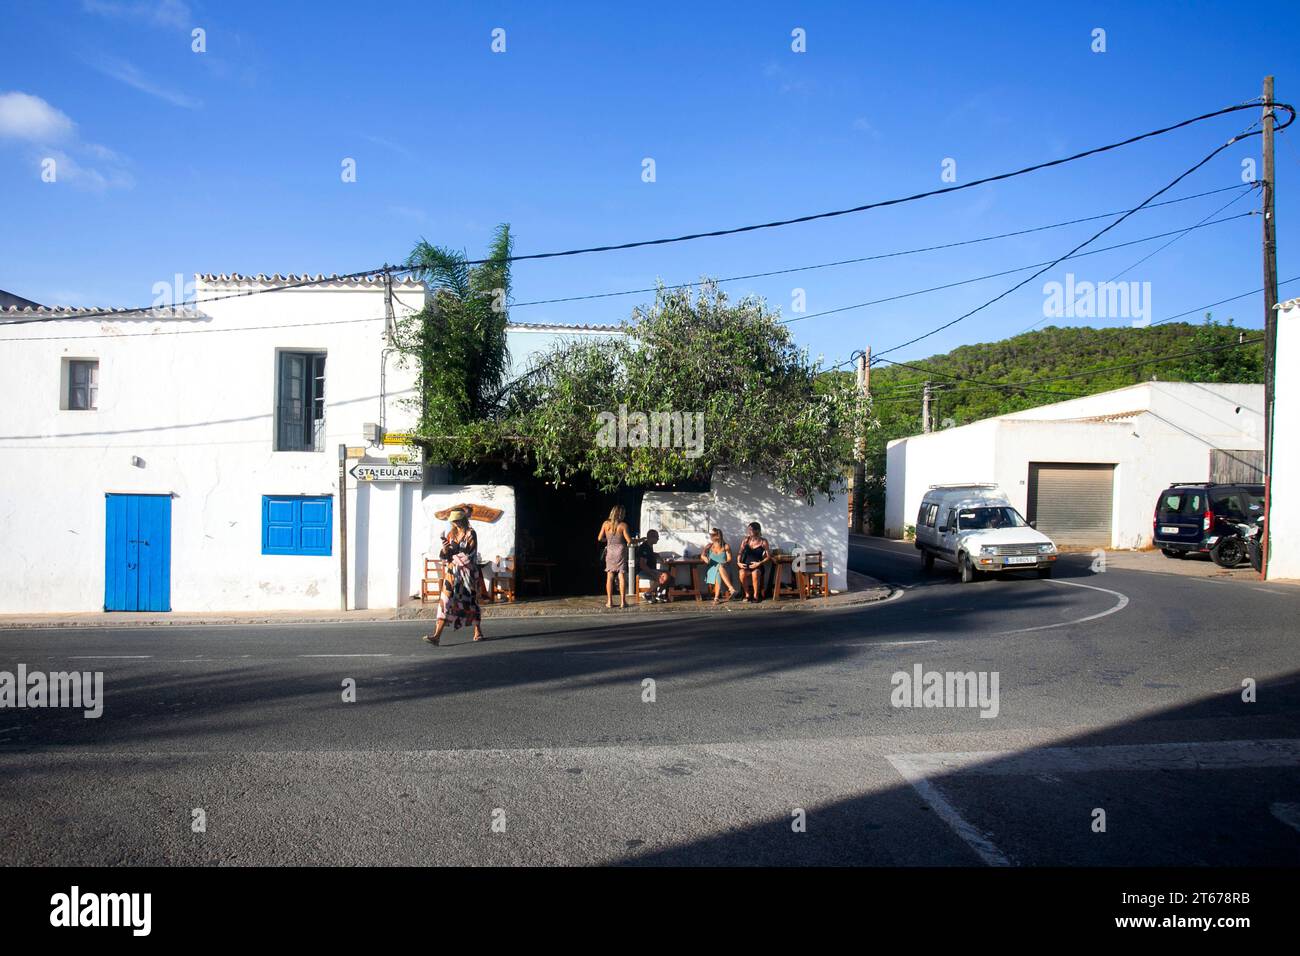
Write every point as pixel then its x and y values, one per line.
pixel 476 512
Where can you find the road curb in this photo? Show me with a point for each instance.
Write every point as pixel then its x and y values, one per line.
pixel 870 594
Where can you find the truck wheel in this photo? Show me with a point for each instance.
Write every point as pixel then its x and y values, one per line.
pixel 1229 552
pixel 927 560
pixel 965 568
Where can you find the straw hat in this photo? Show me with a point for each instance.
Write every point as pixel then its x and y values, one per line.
pixel 456 514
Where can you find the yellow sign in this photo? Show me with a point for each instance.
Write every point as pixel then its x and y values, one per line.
pixel 356 452
pixel 398 438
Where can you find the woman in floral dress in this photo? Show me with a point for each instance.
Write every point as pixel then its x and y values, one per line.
pixel 462 578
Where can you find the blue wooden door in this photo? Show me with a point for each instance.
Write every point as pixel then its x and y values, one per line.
pixel 138 553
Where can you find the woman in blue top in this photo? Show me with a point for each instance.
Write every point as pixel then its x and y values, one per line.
pixel 717 555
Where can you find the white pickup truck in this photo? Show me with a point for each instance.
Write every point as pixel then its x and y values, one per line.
pixel 976 528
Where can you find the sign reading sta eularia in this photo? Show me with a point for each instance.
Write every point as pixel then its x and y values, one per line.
pixel 362 471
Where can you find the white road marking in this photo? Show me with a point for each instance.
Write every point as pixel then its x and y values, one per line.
pixel 973 837
pixel 1288 813
pixel 919 770
pixel 888 643
pixel 112 657
pixel 1119 606
pixel 345 655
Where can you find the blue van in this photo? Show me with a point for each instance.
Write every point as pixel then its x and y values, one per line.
pixel 1202 518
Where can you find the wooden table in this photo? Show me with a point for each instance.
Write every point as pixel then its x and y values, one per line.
pixel 679 590
pixel 796 585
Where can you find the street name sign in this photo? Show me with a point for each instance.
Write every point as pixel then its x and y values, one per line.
pixel 363 471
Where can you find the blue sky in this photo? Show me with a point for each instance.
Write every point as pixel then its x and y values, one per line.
pixel 229 160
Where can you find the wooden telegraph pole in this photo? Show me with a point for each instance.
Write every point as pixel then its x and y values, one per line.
pixel 1270 308
pixel 925 409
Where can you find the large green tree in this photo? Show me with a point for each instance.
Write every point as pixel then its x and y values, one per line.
pixel 725 375
pixel 730 367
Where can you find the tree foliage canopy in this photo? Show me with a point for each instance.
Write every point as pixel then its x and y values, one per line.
pixel 458 340
pixel 763 405
pixel 730 366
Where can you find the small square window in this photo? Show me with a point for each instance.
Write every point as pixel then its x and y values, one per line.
pixel 83 384
pixel 297 524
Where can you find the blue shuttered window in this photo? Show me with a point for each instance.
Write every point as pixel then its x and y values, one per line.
pixel 292 524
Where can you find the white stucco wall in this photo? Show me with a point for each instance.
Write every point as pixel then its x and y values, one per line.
pixel 736 500
pixel 1168 439
pixel 913 464
pixel 1284 486
pixel 496 539
pixel 198 409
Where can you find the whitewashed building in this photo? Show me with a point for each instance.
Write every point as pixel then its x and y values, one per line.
pixel 1284 506
pixel 189 460
pixel 1089 470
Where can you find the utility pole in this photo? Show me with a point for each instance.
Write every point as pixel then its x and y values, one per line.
pixel 343 527
pixel 925 409
pixel 1270 307
pixel 858 498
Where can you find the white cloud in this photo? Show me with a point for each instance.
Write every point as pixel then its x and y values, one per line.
pixel 125 72
pixel 163 13
pixel 23 116
pixel 68 170
pixel 50 135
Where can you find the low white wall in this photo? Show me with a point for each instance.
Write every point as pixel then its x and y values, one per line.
pixel 496 539
pixel 1284 486
pixel 684 518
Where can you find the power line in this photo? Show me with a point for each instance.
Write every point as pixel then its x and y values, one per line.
pixel 872 258
pixel 1007 272
pixel 170 332
pixel 1156 252
pixel 1250 104
pixel 1085 373
pixel 1163 189
pixel 1171 318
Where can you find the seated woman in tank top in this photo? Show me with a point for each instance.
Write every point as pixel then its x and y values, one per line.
pixel 755 554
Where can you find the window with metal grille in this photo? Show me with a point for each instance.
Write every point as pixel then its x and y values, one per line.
pixel 300 402
pixel 83 384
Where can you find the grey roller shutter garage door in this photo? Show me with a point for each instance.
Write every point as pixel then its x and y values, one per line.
pixel 1072 504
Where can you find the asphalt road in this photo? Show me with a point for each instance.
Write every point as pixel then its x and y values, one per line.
pixel 1118 694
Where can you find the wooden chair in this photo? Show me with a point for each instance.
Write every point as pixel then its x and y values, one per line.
pixel 431 589
pixel 816 579
pixel 503 580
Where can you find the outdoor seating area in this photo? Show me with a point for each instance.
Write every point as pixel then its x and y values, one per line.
pixel 790 574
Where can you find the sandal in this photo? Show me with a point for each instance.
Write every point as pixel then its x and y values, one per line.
pixel 479 636
pixel 430 639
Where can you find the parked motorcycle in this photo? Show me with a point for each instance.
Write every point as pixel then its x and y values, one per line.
pixel 1255 544
pixel 1232 548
